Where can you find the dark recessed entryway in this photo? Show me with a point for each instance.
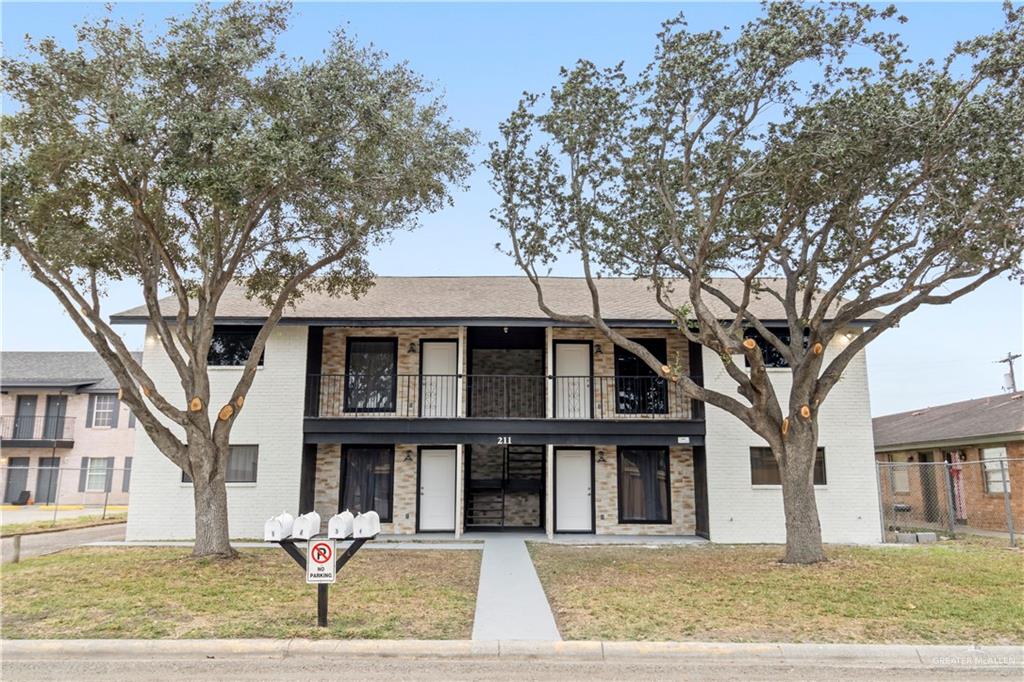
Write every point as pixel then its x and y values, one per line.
pixel 504 487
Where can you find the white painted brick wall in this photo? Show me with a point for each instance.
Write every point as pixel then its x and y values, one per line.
pixel 847 505
pixel 161 506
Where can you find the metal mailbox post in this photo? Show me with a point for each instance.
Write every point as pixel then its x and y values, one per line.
pixel 288 545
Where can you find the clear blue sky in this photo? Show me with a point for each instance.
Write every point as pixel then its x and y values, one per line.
pixel 483 56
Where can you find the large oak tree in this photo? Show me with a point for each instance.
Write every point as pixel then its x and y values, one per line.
pixel 804 154
pixel 199 157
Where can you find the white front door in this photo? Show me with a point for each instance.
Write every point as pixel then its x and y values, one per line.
pixel 439 383
pixel 437 489
pixel 573 494
pixel 572 380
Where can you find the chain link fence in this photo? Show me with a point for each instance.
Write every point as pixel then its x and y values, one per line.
pixel 952 497
pixel 38 493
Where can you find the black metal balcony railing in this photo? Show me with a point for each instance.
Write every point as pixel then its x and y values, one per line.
pixel 37 428
pixel 498 396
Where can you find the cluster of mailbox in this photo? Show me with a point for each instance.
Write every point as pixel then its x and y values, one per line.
pixel 284 526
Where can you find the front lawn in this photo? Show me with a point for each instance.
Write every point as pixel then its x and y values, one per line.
pixel 160 592
pixel 948 593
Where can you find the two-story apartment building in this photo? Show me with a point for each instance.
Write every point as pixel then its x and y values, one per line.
pixel 65 435
pixel 451 404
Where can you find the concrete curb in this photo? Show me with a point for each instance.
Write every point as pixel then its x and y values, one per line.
pixel 892 655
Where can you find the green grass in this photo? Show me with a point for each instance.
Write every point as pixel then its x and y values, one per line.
pixel 162 593
pixel 65 523
pixel 946 593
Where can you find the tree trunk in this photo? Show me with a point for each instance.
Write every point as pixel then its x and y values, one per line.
pixel 803 529
pixel 211 502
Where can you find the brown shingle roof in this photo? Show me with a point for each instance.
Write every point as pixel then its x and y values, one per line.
pixel 484 298
pixel 994 415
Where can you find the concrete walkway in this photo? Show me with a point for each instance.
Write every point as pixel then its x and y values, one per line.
pixel 510 602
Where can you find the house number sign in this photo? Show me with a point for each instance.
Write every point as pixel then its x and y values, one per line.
pixel 504 440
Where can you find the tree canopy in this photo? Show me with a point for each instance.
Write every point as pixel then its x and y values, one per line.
pixel 201 156
pixel 804 154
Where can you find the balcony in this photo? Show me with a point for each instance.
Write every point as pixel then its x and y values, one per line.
pixel 487 396
pixel 37 432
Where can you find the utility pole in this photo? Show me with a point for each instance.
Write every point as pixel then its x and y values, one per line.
pixel 1010 357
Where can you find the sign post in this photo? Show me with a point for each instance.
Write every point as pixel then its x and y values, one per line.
pixel 319 561
pixel 322 563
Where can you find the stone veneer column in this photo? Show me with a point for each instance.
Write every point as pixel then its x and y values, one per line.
pixel 403 517
pixel 549 490
pixel 460 483
pixel 327 481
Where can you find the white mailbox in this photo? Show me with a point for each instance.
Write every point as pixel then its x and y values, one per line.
pixel 340 525
pixel 306 526
pixel 366 525
pixel 278 528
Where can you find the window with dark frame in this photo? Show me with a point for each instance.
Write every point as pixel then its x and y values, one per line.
pixel 644 486
pixel 371 375
pixel 771 355
pixel 367 484
pixel 764 470
pixel 231 345
pixel 638 389
pixel 243 463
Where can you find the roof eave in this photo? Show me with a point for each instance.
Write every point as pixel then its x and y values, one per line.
pixel 436 321
pixel 1011 436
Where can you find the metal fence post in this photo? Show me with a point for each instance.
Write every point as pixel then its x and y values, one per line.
pixel 881 503
pixel 56 495
pixel 16 552
pixel 1006 502
pixel 947 470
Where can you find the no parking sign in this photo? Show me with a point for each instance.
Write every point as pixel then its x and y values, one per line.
pixel 320 561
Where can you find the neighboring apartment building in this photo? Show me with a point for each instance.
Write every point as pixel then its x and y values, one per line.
pixel 65 435
pixel 978 440
pixel 452 404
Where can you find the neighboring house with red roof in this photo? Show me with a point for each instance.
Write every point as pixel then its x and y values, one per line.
pixel 978 438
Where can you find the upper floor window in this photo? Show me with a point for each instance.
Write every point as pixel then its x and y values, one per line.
pixel 764 469
pixel 371 375
pixel 638 389
pixel 772 356
pixel 231 345
pixel 103 410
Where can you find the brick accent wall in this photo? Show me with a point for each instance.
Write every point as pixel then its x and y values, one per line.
pixel 333 360
pixel 677 351
pixel 681 495
pixel 327 487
